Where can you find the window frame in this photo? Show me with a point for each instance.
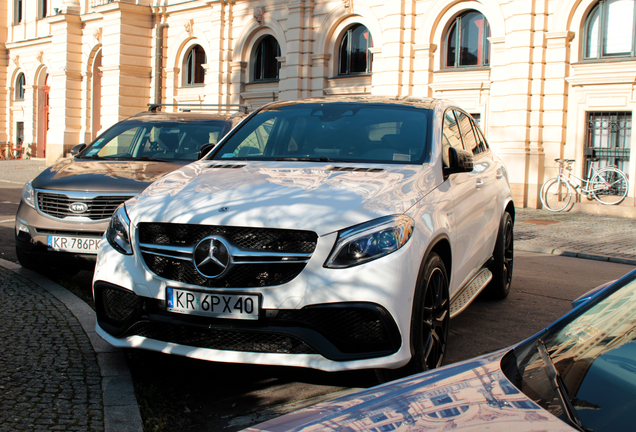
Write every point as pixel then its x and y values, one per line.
pixel 190 64
pixel 20 84
pixel 347 37
pixel 262 66
pixel 484 43
pixel 601 8
pixel 43 9
pixel 18 11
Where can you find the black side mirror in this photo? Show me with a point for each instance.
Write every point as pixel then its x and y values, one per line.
pixel 458 161
pixel 76 150
pixel 204 150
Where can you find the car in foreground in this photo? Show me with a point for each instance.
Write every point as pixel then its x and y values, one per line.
pixel 331 233
pixel 579 374
pixel 65 210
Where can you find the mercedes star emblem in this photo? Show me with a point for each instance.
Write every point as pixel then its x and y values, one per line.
pixel 211 257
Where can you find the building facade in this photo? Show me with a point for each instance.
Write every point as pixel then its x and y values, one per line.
pixel 545 79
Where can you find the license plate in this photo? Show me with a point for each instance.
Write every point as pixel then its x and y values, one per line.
pixel 217 305
pixel 73 244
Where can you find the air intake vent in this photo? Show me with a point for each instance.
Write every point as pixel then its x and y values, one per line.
pixel 231 166
pixel 356 169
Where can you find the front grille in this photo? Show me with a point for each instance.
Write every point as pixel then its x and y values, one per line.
pixel 229 340
pixel 261 256
pixel 251 239
pixel 243 276
pixel 99 207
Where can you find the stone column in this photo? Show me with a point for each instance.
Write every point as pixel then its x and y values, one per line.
pixel 66 86
pixel 319 70
pixel 5 97
pixel 423 64
pixel 126 60
pixel 298 64
pixel 238 78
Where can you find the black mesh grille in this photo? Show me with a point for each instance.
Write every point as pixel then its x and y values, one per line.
pixel 230 340
pixel 349 329
pixel 244 276
pixel 57 205
pixel 251 239
pixel 118 305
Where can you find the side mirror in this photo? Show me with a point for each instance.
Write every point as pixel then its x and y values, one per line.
pixel 204 150
pixel 76 150
pixel 458 161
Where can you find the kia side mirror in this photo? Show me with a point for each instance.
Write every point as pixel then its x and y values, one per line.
pixel 76 150
pixel 204 150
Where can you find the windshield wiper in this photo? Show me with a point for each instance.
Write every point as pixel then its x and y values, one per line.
pixel 560 389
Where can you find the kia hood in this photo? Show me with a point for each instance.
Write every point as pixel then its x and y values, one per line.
pixel 294 195
pixel 87 175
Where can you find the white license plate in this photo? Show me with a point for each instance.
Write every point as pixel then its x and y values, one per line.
pixel 217 305
pixel 73 244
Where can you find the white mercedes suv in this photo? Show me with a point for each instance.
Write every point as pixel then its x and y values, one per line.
pixel 335 233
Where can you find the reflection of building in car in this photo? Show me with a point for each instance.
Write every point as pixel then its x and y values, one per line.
pixel 331 233
pixel 65 210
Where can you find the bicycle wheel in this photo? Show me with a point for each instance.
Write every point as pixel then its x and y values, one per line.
pixel 556 194
pixel 609 186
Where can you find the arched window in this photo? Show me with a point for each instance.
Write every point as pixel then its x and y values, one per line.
pixel 266 65
pixel 609 30
pixel 194 72
pixel 467 41
pixel 19 87
pixel 355 57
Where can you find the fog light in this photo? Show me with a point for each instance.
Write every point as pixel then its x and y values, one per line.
pixel 21 227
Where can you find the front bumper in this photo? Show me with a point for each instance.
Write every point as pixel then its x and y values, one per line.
pixel 327 319
pixel 33 230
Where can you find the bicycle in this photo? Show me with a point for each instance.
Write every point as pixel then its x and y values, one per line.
pixel 608 186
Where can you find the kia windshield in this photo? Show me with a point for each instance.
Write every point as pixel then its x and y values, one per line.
pixel 337 131
pixel 161 141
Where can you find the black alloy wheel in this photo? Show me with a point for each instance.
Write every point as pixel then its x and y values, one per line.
pixel 503 260
pixel 430 321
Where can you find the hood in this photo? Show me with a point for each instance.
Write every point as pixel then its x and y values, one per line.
pixel 294 195
pixel 102 175
pixel 473 395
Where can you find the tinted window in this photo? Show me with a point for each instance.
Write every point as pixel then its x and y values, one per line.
pixel 466 126
pixel 333 131
pixel 451 137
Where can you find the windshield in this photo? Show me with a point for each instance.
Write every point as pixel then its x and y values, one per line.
pixel 594 352
pixel 165 141
pixel 336 131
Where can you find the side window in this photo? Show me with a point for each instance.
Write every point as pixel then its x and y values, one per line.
pixel 481 141
pixel 451 137
pixel 254 144
pixel 468 135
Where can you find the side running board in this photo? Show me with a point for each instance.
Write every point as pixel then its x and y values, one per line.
pixel 468 293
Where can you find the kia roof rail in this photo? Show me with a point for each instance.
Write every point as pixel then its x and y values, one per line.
pixel 201 107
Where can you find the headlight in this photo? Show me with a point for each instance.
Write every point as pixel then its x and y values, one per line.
pixel 118 232
pixel 28 194
pixel 370 241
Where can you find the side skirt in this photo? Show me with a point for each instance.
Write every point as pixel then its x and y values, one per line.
pixel 469 291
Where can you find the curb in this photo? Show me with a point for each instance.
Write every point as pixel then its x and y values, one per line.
pixel 121 412
pixel 552 251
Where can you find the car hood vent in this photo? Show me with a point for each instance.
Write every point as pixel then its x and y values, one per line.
pixel 356 169
pixel 227 166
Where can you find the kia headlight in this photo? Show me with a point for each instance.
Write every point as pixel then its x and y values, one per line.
pixel 118 232
pixel 28 194
pixel 370 240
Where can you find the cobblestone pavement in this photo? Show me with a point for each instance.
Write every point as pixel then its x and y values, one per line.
pixel 576 234
pixel 49 375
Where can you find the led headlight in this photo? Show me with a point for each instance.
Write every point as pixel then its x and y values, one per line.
pixel 118 232
pixel 28 194
pixel 369 241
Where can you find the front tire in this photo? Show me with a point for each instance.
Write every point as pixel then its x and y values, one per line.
pixel 430 321
pixel 556 194
pixel 503 260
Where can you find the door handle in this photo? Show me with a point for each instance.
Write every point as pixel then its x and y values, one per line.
pixel 479 183
pixel 499 173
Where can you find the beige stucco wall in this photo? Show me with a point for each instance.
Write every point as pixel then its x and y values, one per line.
pixel 532 100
